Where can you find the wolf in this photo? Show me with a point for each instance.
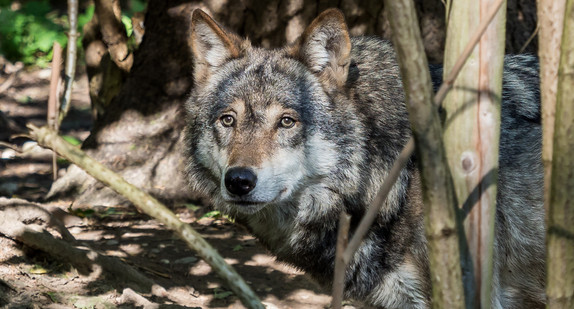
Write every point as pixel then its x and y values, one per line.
pixel 284 140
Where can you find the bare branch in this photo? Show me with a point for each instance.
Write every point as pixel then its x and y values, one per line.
pixel 379 200
pixel 70 60
pixel 340 264
pixel 53 98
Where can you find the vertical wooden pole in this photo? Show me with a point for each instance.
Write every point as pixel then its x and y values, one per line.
pixel 471 135
pixel 560 235
pixel 550 15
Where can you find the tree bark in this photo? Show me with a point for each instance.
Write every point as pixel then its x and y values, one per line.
pixel 438 194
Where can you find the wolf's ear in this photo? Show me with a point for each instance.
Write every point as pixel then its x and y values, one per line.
pixel 325 48
pixel 211 46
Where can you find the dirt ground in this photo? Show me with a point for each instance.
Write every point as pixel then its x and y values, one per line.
pixel 32 278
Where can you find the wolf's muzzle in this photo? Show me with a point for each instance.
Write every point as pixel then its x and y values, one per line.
pixel 240 180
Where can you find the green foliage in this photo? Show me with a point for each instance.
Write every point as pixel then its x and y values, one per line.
pixel 212 214
pixel 28 34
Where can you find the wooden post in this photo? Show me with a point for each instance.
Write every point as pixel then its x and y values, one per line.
pixel 471 135
pixel 550 15
pixel 560 235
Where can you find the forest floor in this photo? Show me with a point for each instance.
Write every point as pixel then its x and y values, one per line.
pixel 32 278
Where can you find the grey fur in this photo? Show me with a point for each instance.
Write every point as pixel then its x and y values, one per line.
pixel 346 137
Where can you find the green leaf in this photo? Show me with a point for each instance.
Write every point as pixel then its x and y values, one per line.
pixel 72 140
pixel 85 17
pixel 212 214
pixel 128 24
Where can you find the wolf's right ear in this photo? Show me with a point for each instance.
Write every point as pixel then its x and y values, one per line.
pixel 211 46
pixel 325 48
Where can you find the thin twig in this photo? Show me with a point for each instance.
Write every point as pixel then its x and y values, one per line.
pixel 532 36
pixel 53 99
pixel 152 207
pixel 449 81
pixel 70 60
pixel 377 203
pixel 8 83
pixel 340 265
pixel 11 146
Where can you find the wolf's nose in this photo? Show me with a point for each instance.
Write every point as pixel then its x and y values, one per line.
pixel 240 180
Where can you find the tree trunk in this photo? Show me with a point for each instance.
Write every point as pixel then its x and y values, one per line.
pixel 141 130
pixel 560 235
pixel 438 192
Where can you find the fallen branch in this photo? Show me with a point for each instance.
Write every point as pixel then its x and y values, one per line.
pixel 151 206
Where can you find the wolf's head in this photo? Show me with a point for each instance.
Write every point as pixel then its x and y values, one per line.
pixel 266 124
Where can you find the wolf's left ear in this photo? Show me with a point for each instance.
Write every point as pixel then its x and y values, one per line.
pixel 211 45
pixel 325 47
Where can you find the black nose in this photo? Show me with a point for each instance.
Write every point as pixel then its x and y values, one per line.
pixel 240 180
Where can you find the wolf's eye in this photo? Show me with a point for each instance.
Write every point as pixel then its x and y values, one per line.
pixel 227 120
pixel 287 122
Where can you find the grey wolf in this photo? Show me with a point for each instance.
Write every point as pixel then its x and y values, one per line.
pixel 285 139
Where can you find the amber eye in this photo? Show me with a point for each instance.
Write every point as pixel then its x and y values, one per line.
pixel 227 120
pixel 287 122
